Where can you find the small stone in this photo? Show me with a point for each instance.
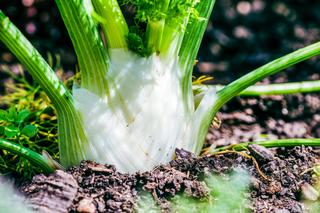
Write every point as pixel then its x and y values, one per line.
pixel 181 153
pixel 260 153
pixel 86 206
pixel 274 187
pixel 99 168
pixel 256 183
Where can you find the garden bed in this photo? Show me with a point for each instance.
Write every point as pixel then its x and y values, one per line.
pixel 275 182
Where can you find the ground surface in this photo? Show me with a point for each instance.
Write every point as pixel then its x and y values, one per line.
pixel 275 183
pixel 241 36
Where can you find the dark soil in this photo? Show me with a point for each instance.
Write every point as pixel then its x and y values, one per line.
pixel 275 184
pixel 249 119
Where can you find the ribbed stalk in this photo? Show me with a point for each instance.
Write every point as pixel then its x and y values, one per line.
pixel 273 67
pixel 73 142
pixel 269 144
pixel 282 89
pixel 35 158
pixel 154 32
pixel 190 46
pixel 154 35
pixel 194 34
pixel 114 25
pixel 271 89
pixel 91 54
pixel 236 87
pixel 171 41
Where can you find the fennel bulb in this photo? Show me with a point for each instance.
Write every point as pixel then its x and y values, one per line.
pixel 145 119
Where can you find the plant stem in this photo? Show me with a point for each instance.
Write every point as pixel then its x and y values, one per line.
pixel 269 144
pixel 114 26
pixel 35 64
pixel 35 158
pixel 154 35
pixel 73 141
pixel 239 85
pixel 273 67
pixel 190 46
pixel 282 89
pixel 271 89
pixel 194 34
pixel 84 34
pixel 155 28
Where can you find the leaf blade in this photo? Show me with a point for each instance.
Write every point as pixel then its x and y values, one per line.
pixel 29 130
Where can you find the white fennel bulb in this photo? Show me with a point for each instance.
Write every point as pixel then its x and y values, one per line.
pixel 144 118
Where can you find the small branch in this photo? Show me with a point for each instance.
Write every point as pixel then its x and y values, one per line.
pixel 35 158
pixel 269 144
pixel 271 89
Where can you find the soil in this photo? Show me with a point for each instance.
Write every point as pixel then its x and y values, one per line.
pixel 273 117
pixel 275 183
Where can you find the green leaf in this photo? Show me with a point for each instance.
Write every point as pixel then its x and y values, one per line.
pixel 11 131
pixel 1 130
pixel 12 114
pixel 22 115
pixel 3 115
pixel 29 130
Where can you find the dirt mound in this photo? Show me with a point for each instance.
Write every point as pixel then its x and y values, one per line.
pixel 276 180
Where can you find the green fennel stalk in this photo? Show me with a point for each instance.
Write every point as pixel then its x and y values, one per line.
pixel 91 54
pixel 33 157
pixel 270 89
pixel 268 144
pixel 239 85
